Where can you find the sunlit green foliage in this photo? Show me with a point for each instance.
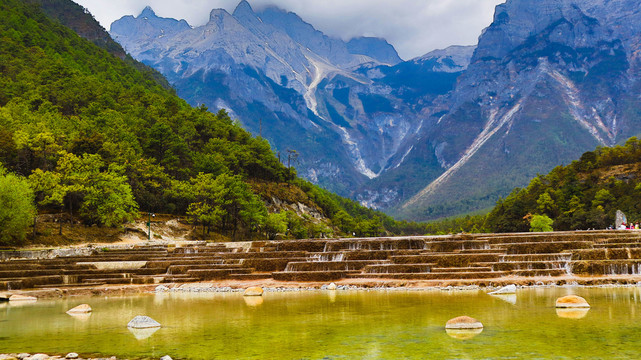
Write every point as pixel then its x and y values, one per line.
pixel 541 223
pixel 17 210
pixel 582 195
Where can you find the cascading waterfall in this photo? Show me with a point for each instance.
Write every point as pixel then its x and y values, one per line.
pixel 622 269
pixel 326 257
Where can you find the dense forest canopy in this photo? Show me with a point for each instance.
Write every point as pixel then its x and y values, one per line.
pixel 583 195
pixel 99 137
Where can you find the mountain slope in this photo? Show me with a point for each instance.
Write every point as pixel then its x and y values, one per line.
pixel 548 81
pixel 582 195
pixel 338 104
pixel 99 139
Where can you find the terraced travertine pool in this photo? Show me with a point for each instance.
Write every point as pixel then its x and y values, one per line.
pixel 333 325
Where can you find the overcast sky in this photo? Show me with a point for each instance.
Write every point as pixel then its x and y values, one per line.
pixel 414 27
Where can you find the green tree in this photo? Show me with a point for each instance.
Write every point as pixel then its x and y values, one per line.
pixel 541 223
pixel 545 204
pixel 275 223
pixel 225 202
pixel 17 210
pixel 602 198
pixel 103 196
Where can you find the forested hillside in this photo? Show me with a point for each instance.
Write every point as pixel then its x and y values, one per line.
pixel 582 195
pixel 100 139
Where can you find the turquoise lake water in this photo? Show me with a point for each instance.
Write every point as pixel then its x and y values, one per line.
pixel 334 325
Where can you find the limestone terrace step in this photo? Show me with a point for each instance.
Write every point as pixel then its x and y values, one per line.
pixel 446 260
pixel 434 275
pixel 462 269
pixel 269 264
pixel 453 245
pixel 619 245
pixel 607 267
pixel 310 275
pixel 254 276
pixel 542 247
pixel 181 269
pixel 350 255
pixel 527 265
pixel 84 284
pixel 213 274
pixel 536 257
pixel 397 268
pixel 539 272
pixel 331 265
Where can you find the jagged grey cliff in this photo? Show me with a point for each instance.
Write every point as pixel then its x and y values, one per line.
pixel 443 134
pixel 286 81
pixel 548 81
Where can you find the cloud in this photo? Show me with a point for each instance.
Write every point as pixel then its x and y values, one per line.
pixel 414 27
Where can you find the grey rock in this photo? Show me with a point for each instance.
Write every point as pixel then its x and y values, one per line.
pixel 71 355
pixel 620 219
pixel 38 357
pixel 509 289
pixel 161 288
pixel 143 322
pixel 166 357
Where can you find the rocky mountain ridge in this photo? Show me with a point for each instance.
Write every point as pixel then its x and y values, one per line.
pixel 292 84
pixel 446 133
pixel 548 81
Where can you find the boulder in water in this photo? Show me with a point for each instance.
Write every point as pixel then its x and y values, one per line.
pixel 17 297
pixel 510 289
pixel 331 286
pixel 253 291
pixel 143 322
pixel 571 301
pixel 80 309
pixel 463 322
pixel 39 357
pixel 463 334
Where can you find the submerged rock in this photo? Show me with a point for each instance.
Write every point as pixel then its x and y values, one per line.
pixel 17 297
pixel 463 322
pixel 571 301
pixel 166 357
pixel 39 357
pixel 143 322
pixel 253 301
pixel 510 289
pixel 253 291
pixel 142 334
pixel 463 334
pixel 572 313
pixel 80 309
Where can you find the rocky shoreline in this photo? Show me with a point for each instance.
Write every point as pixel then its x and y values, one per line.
pixel 342 285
